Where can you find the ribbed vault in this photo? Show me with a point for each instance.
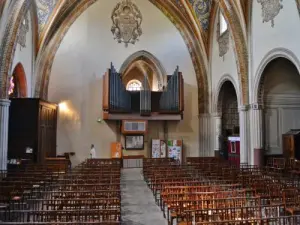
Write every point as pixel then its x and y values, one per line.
pixel 193 18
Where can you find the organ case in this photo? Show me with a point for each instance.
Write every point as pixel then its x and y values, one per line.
pixel 32 124
pixel 291 144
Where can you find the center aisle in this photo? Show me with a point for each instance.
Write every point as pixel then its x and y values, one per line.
pixel 138 205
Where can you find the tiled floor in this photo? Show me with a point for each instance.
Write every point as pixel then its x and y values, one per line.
pixel 138 205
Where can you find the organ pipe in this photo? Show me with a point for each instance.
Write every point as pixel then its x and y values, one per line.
pixel 119 98
pixel 145 98
pixel 171 99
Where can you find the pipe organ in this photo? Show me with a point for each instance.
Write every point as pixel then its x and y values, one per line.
pixel 116 98
pixel 171 100
pixel 121 104
pixel 145 98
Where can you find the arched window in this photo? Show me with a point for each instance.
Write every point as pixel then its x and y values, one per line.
pixel 223 24
pixel 134 85
pixel 11 90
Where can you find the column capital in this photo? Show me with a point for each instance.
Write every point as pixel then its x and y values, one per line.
pixel 244 108
pixel 217 114
pixel 256 106
pixel 204 115
pixel 4 102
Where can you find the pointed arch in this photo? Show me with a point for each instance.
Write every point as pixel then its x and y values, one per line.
pixel 259 76
pixel 151 60
pixel 73 9
pixel 239 35
pixel 20 81
pixel 218 91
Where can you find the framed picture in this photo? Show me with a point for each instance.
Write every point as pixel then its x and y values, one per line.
pixel 134 142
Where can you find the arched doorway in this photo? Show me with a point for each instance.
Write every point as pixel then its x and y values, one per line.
pixel 141 65
pixel 229 133
pixel 18 83
pixel 279 93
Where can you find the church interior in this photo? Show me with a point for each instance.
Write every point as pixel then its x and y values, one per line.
pixel 165 112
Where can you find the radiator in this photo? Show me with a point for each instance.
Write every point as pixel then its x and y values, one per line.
pixel 132 163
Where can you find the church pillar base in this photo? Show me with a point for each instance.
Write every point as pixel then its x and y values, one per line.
pixel 217 154
pixel 259 157
pixel 4 114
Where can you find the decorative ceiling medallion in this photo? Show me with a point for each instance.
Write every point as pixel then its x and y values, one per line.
pixel 127 20
pixel 223 40
pixel 270 9
pixel 24 28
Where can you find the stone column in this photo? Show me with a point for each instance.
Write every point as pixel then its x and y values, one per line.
pixel 244 143
pixel 218 130
pixel 204 135
pixel 4 113
pixel 257 132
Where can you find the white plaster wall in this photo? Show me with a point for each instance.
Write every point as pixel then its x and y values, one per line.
pixel 282 105
pixel 222 66
pixel 3 20
pixel 264 37
pixel 25 56
pixel 84 56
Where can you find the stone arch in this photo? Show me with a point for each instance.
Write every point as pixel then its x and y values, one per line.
pixel 240 45
pixel 20 80
pixel 9 42
pixel 259 76
pixel 52 40
pixel 219 93
pixel 151 60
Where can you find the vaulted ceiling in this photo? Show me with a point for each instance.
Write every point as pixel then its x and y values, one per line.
pixel 44 10
pixel 201 9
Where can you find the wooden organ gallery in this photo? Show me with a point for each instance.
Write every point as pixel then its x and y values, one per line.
pixel 134 109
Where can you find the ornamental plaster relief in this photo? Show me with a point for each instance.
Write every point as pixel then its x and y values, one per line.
pixel 24 28
pixel 223 41
pixel 270 9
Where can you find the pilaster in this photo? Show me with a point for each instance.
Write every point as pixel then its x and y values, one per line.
pixel 4 114
pixel 205 135
pixel 256 114
pixel 217 118
pixel 244 137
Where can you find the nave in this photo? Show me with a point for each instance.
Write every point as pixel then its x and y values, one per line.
pixel 204 191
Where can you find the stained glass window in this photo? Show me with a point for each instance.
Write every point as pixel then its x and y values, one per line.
pixel 11 86
pixel 134 85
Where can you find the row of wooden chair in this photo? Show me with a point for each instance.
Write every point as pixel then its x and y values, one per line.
pixel 209 190
pixel 86 194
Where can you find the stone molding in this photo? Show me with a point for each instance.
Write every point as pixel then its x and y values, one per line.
pixel 244 108
pixel 4 102
pixel 259 76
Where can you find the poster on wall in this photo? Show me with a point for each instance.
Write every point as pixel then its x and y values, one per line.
pixel 155 148
pixel 158 148
pixel 175 149
pixel 116 150
pixel 163 149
